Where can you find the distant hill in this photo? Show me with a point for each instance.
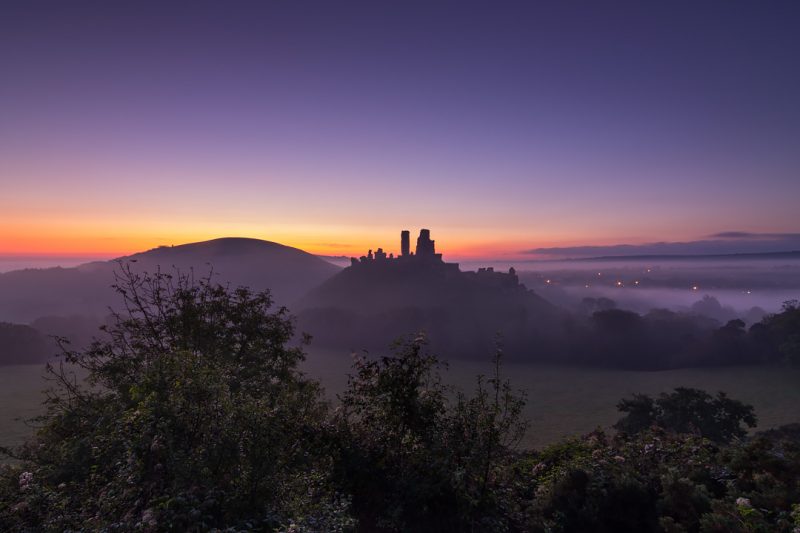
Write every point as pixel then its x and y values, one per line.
pixel 288 272
pixel 27 295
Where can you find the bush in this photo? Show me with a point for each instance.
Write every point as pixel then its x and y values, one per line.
pixel 416 455
pixel 661 481
pixel 194 416
pixel 687 410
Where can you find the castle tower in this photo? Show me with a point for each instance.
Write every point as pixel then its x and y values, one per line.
pixel 425 246
pixel 405 242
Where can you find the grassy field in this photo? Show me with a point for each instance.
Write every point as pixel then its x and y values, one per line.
pixel 565 401
pixel 21 395
pixel 561 401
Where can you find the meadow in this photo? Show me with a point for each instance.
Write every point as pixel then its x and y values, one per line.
pixel 21 396
pixel 562 401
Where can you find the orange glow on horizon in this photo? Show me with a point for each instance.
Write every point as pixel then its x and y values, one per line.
pixel 93 239
pixel 95 243
pixel 121 246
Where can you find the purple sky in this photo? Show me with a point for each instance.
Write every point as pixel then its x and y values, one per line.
pixel 332 125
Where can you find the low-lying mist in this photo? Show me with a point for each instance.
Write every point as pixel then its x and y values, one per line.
pixel 722 289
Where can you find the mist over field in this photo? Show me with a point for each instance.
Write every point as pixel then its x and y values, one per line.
pixel 640 284
pixel 550 305
pixel 7 264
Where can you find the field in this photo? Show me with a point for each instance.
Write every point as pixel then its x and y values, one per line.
pixel 21 396
pixel 565 401
pixel 561 401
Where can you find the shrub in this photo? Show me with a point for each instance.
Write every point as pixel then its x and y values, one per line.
pixel 194 416
pixel 687 410
pixel 417 456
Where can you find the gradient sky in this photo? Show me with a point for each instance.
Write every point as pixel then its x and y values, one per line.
pixel 330 126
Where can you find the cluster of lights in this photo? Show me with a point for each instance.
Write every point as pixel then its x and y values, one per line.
pixel 618 283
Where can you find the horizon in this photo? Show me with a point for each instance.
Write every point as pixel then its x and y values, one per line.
pixel 651 251
pixel 544 131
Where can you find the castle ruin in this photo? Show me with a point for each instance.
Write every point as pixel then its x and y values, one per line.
pixel 425 252
pixel 425 258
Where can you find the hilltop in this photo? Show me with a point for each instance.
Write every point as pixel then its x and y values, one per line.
pixel 73 301
pixel 380 297
pixel 286 271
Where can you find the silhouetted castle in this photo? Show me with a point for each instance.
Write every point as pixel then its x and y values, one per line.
pixel 425 252
pixel 383 295
pixel 425 258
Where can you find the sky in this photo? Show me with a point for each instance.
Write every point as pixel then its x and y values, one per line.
pixel 509 129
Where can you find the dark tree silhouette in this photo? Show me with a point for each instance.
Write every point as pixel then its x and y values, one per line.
pixel 687 410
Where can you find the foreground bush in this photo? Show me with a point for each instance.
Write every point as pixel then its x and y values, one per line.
pixel 195 417
pixel 414 457
pixel 663 481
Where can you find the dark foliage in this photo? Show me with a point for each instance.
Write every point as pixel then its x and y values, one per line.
pixel 690 411
pixel 415 460
pixel 194 416
pixel 781 333
pixel 21 344
pixel 664 339
pixel 659 481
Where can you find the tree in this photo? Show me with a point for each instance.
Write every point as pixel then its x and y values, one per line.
pixel 20 344
pixel 620 339
pixel 779 333
pixel 642 414
pixel 417 456
pixel 687 410
pixel 790 349
pixel 194 416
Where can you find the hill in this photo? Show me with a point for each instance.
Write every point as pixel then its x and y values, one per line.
pixel 84 291
pixel 380 298
pixel 288 272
